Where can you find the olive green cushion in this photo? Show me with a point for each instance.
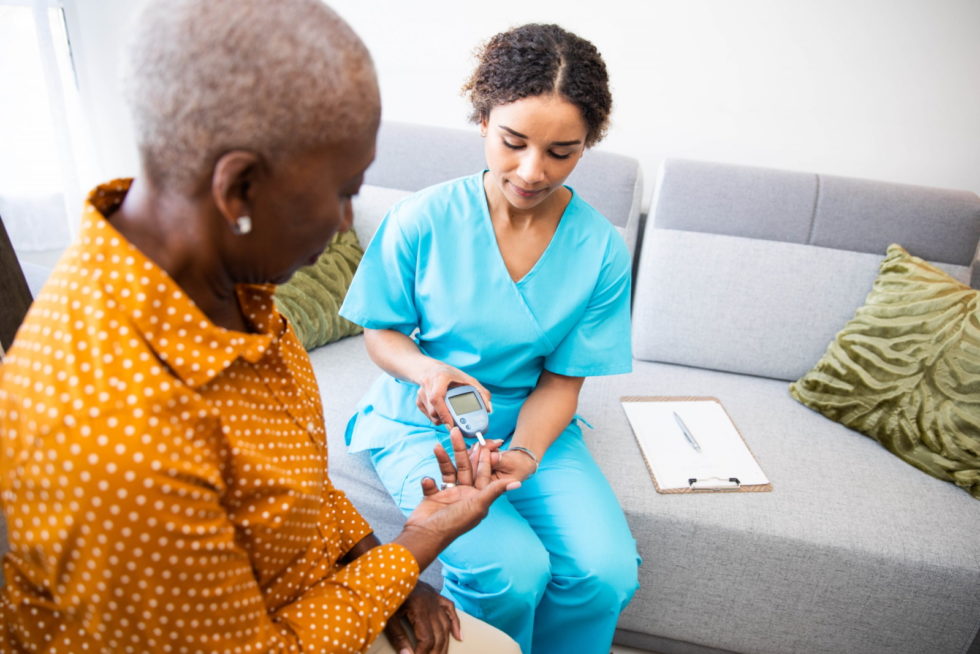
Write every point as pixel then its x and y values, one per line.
pixel 906 370
pixel 311 298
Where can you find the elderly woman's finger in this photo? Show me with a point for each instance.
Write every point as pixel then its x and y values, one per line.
pixel 446 466
pixel 464 470
pixel 454 627
pixel 397 634
pixel 429 486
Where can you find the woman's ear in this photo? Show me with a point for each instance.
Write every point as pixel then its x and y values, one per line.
pixel 484 123
pixel 232 188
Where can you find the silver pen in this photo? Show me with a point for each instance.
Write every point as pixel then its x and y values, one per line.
pixel 687 432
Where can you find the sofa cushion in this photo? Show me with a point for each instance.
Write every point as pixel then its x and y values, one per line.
pixel 752 306
pixel 311 299
pixel 371 205
pixel 824 210
pixel 906 370
pixel 852 551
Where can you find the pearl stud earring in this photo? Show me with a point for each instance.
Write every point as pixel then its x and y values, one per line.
pixel 242 225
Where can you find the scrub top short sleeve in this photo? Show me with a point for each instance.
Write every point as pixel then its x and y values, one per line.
pixel 599 343
pixel 382 293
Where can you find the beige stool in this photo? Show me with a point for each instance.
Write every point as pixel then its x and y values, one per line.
pixel 478 638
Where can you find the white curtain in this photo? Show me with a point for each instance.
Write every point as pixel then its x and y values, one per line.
pixel 46 158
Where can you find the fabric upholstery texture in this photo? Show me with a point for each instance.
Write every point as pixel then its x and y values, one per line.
pixel 852 551
pixel 370 206
pixel 747 305
pixel 859 215
pixel 311 298
pixel 906 370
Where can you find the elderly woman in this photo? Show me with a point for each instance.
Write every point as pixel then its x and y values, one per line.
pixel 163 466
pixel 509 281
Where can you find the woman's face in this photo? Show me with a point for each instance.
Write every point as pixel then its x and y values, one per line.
pixel 532 145
pixel 298 208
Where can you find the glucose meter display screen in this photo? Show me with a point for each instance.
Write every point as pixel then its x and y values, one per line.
pixel 465 403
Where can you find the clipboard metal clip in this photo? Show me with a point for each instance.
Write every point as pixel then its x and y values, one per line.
pixel 714 484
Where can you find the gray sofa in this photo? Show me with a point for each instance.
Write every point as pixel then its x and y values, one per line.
pixel 743 276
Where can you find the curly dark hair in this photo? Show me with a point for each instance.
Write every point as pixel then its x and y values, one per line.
pixel 538 59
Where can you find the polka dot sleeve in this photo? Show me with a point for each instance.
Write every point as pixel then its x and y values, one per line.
pixel 361 598
pixel 351 526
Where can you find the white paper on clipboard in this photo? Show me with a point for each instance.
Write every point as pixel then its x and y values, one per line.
pixel 724 462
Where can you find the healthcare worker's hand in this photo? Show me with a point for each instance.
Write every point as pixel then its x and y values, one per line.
pixel 433 384
pixel 513 465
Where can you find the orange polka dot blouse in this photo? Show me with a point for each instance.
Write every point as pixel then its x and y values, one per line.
pixel 164 480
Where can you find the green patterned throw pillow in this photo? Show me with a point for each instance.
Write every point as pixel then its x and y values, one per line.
pixel 311 299
pixel 906 370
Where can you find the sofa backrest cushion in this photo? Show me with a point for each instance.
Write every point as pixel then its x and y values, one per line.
pixel 751 306
pixel 750 270
pixel 834 212
pixel 412 157
pixel 370 207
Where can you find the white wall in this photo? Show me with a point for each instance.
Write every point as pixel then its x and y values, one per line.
pixel 882 89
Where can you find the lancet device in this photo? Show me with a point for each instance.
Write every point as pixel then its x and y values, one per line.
pixel 469 412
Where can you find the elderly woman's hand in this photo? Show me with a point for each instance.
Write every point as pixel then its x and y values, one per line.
pixel 433 384
pixel 454 508
pixel 432 618
pixel 446 511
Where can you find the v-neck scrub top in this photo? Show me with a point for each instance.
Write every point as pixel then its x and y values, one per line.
pixel 433 271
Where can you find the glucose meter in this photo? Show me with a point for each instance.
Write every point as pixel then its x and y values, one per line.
pixel 469 412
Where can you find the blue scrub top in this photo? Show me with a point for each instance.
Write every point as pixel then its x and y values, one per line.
pixel 434 271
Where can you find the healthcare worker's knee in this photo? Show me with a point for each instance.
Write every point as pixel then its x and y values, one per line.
pixel 513 584
pixel 606 581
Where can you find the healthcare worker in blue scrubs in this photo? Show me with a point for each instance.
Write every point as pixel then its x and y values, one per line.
pixel 509 281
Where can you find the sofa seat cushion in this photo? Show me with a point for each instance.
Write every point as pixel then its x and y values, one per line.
pixel 851 539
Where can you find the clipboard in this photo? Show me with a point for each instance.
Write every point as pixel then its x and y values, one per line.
pixel 724 462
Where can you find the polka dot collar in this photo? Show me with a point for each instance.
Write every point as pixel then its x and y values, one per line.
pixel 192 346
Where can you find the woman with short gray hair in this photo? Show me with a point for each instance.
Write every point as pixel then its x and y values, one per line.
pixel 163 467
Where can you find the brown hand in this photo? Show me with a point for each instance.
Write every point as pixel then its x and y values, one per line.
pixel 431 398
pixel 444 514
pixel 514 465
pixel 431 617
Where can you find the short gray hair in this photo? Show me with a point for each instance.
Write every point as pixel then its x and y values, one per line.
pixel 204 77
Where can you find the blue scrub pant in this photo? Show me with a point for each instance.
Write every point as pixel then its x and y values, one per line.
pixel 553 564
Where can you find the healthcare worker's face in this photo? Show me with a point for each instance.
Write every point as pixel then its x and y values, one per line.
pixel 532 145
